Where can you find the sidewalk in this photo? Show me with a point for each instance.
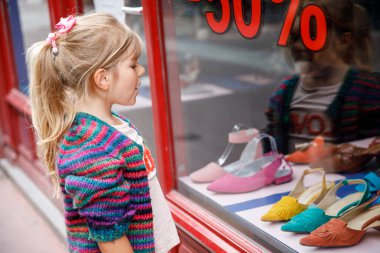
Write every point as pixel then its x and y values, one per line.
pixel 22 227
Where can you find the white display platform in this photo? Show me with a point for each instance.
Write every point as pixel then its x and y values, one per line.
pixel 251 206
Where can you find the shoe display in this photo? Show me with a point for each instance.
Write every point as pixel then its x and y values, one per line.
pixel 312 151
pixel 299 198
pixel 261 172
pixel 333 215
pixel 347 230
pixel 347 158
pixel 213 171
pixel 329 207
pixel 256 174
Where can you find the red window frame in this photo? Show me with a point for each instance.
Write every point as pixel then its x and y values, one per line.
pixel 193 219
pixel 19 140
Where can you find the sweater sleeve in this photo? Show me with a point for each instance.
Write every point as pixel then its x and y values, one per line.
pixel 276 98
pixel 369 117
pixel 102 196
pixel 277 112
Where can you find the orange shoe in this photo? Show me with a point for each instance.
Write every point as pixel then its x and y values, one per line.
pixel 348 230
pixel 312 151
pixel 347 158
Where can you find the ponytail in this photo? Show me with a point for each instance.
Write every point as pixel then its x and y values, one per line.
pixel 52 114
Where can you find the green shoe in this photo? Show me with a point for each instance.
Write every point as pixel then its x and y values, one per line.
pixel 329 207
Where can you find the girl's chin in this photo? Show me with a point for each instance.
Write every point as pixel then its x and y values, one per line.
pixel 303 67
pixel 130 102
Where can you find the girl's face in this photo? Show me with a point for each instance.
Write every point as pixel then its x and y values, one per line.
pixel 314 63
pixel 125 82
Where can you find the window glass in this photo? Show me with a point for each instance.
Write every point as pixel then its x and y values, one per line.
pixel 30 23
pixel 306 99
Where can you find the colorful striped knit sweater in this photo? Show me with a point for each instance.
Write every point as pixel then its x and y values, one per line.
pixel 355 110
pixel 105 187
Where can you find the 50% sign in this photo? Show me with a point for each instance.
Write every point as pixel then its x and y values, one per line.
pixel 310 14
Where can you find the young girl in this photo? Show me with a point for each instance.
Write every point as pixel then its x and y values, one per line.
pixel 112 199
pixel 334 95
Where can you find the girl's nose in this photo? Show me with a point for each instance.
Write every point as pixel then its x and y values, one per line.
pixel 141 70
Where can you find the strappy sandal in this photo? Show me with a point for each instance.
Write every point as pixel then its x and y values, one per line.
pixel 299 198
pixel 329 207
pixel 213 171
pixel 270 168
pixel 347 230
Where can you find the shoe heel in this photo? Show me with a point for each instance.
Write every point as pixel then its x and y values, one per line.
pixel 283 178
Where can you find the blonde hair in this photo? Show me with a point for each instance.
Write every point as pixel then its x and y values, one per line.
pixel 345 16
pixel 57 82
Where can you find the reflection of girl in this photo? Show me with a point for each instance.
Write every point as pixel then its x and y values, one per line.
pixel 334 95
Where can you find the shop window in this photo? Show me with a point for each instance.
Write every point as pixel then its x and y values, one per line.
pixel 220 83
pixel 29 24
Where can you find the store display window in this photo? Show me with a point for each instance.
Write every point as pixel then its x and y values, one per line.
pixel 274 115
pixel 276 118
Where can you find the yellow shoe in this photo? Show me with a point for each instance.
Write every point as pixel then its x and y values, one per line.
pixel 284 209
pixel 298 199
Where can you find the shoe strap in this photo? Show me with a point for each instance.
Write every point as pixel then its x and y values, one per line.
pixel 300 186
pixel 242 136
pixel 255 144
pixel 366 193
pixel 376 218
pixel 272 141
pixel 227 151
pixel 373 179
pixel 359 209
pixel 331 196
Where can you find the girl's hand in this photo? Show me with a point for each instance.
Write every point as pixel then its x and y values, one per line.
pixel 120 245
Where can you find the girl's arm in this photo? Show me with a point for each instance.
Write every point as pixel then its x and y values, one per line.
pixel 120 245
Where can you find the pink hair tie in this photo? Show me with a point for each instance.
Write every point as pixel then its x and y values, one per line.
pixel 51 39
pixel 65 24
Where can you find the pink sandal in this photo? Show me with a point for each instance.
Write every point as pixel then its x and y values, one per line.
pixel 213 171
pixel 270 168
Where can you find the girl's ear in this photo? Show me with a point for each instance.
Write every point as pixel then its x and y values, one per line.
pixel 102 79
pixel 345 39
